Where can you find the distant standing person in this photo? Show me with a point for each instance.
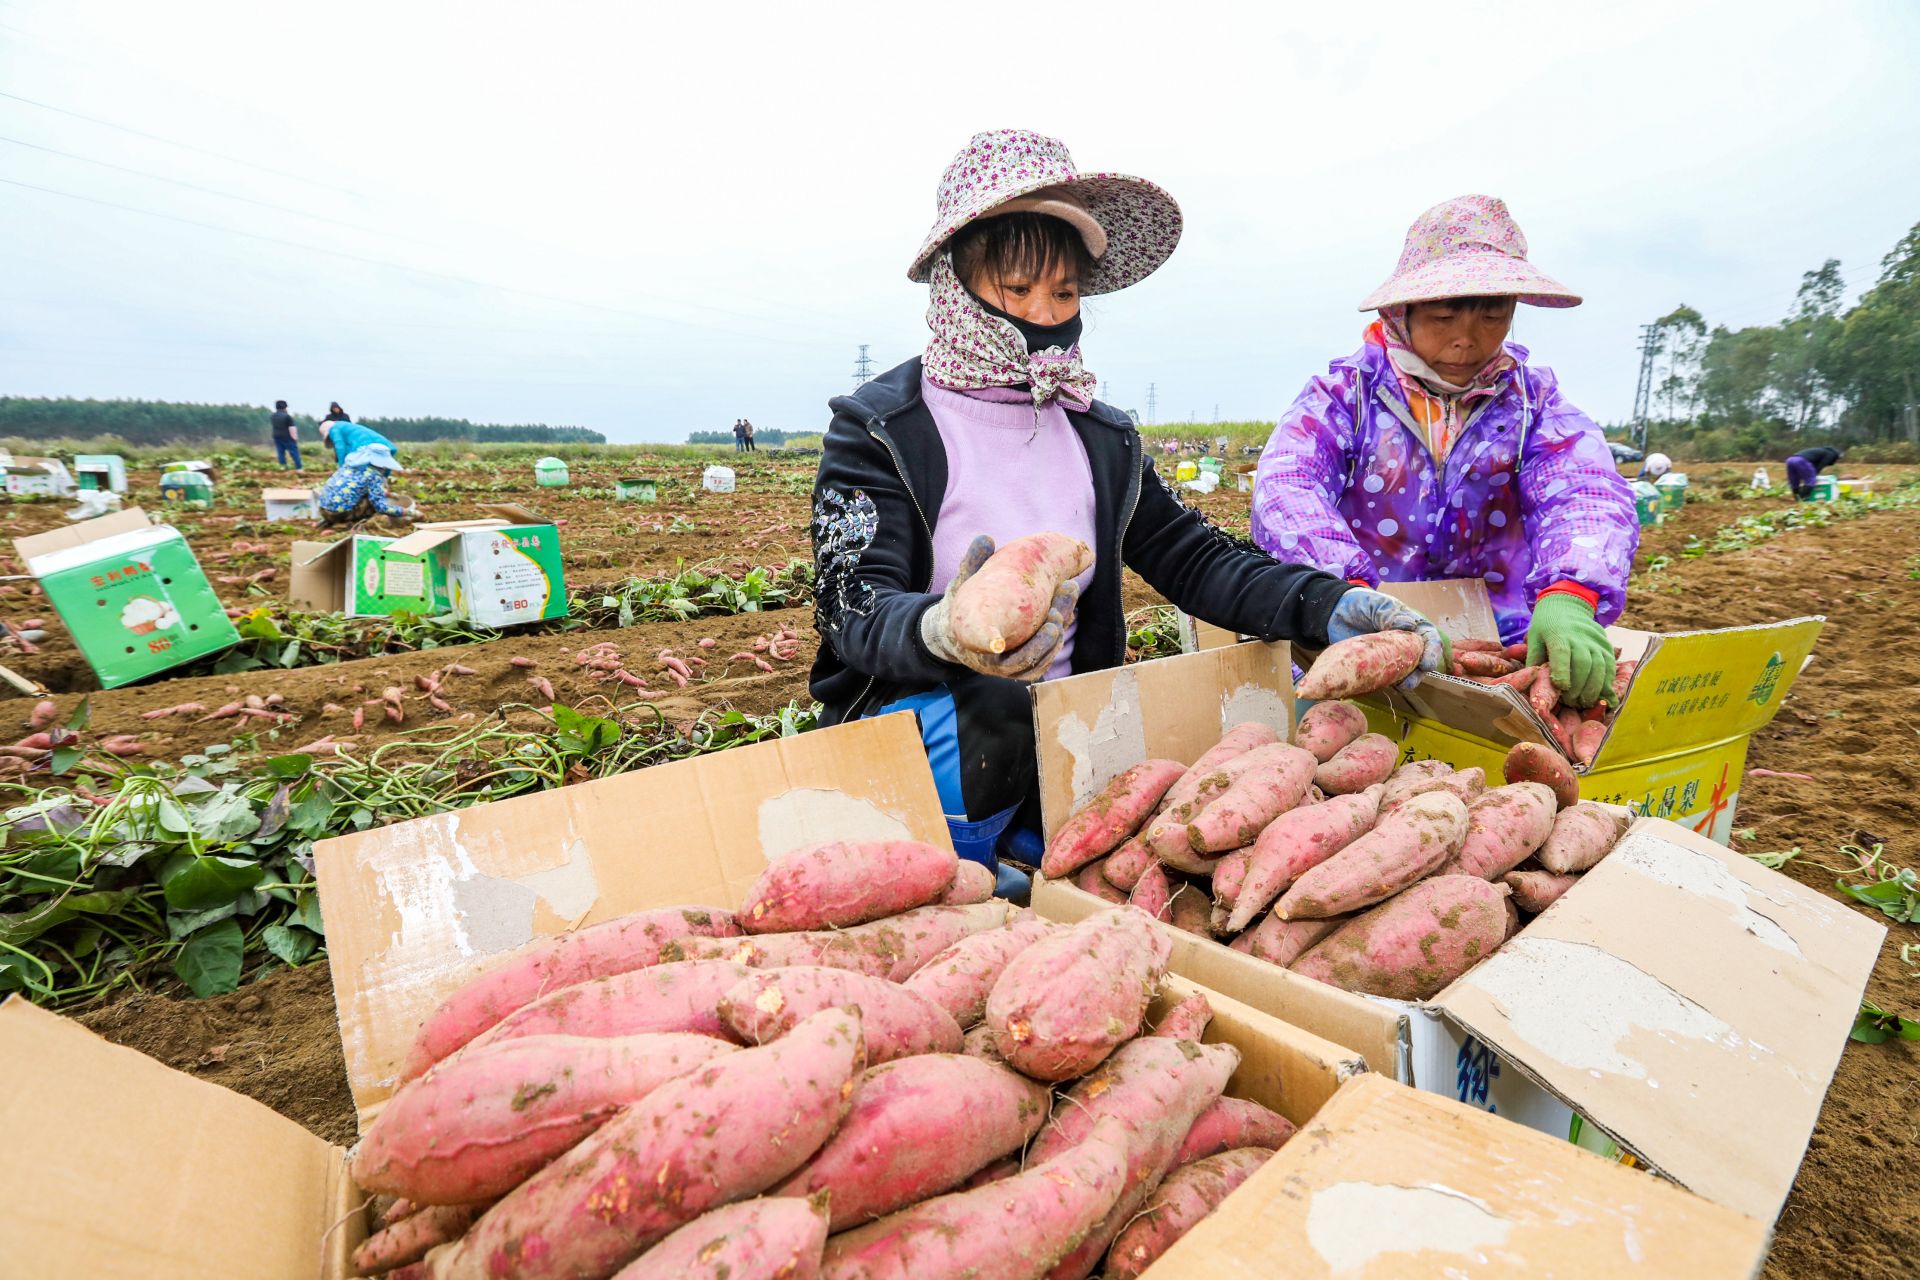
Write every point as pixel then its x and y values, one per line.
pixel 286 436
pixel 749 426
pixel 739 435
pixel 1804 467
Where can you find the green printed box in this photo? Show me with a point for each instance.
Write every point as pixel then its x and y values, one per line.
pixel 498 574
pixel 131 593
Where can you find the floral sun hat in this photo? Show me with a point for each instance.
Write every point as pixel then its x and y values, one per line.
pixel 1010 169
pixel 1467 247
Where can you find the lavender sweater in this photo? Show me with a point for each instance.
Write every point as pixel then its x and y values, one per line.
pixel 1007 478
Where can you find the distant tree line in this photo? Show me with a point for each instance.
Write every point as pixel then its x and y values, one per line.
pixel 1843 376
pixel 153 422
pixel 761 435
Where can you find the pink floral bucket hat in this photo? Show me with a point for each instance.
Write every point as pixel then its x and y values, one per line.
pixel 1468 247
pixel 1130 225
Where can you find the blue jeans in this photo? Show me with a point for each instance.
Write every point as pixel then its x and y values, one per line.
pixel 284 449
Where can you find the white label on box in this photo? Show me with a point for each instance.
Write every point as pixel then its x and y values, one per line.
pixel 406 577
pixel 1450 1061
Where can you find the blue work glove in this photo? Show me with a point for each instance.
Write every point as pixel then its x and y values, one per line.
pixel 1362 611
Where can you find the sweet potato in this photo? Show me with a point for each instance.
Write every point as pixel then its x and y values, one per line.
pixel 478 1124
pixel 1110 817
pixel 1006 600
pixel 1281 941
pixel 900 1142
pixel 771 1238
pixel 972 882
pixel 1014 1227
pixel 1190 912
pixel 845 882
pixel 1187 1020
pixel 1485 665
pixel 1543 697
pixel 1232 1123
pixel 1362 665
pixel 898 1023
pixel 1153 893
pixel 1581 836
pixel 1504 827
pixel 730 1130
pixel 1229 874
pixel 1124 866
pixel 891 948
pixel 1587 739
pixel 412 1237
pixel 1167 834
pixel 1093 879
pixel 961 978
pixel 1407 845
pixel 1064 1003
pixel 1190 1193
pixel 1535 891
pixel 978 1043
pixel 1531 762
pixel 1416 777
pixel 668 997
pixel 1237 816
pixel 1366 761
pixel 1237 741
pixel 620 945
pixel 1328 727
pixel 1412 946
pixel 1295 843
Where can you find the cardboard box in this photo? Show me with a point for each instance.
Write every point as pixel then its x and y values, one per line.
pixel 46 476
pixel 1677 747
pixel 106 471
pixel 290 504
pixel 131 593
pixel 497 572
pixel 1686 1001
pixel 362 577
pixel 192 489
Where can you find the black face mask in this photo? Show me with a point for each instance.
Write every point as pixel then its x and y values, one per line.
pixel 1039 336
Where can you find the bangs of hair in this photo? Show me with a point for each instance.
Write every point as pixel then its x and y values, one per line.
pixel 1481 305
pixel 1024 244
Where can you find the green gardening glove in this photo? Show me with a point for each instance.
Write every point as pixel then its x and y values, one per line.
pixel 1578 655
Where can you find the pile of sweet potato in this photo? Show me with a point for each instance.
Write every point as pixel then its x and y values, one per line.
pixel 1330 858
pixel 869 1068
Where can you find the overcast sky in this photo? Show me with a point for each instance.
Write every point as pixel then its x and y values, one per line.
pixel 651 219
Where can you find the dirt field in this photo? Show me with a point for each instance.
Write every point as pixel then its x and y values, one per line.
pixel 1849 724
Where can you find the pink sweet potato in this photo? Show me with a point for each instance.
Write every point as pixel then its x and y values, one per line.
pixel 1187 1020
pixel 1153 893
pixel 1006 600
pixel 961 978
pixel 1229 874
pixel 891 948
pixel 614 946
pixel 1535 891
pixel 412 1237
pixel 1237 741
pixel 1415 944
pixel 1093 879
pixel 1587 739
pixel 1504 827
pixel 1295 843
pixel 1280 941
pixel 1365 762
pixel 668 997
pixel 1468 784
pixel 1014 1227
pixel 1328 727
pixel 1237 816
pixel 730 1130
pixel 900 1142
pixel 844 882
pixel 1232 1123
pixel 1190 911
pixel 1415 778
pixel 1190 1193
pixel 771 1238
pixel 1362 665
pixel 1167 834
pixel 1064 1003
pixel 972 882
pixel 1407 845
pixel 1531 762
pixel 898 1023
pixel 1124 866
pixel 978 1043
pixel 1581 836
pixel 478 1124
pixel 1110 817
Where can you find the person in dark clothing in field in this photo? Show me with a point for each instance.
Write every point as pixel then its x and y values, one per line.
pixel 286 436
pixel 1804 467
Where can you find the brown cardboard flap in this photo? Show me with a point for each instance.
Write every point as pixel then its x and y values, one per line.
pixel 1690 1002
pixel 1090 727
pixel 1460 607
pixel 412 909
pixel 35 545
pixel 1390 1184
pixel 513 513
pixel 120 1166
pixel 426 537
pixel 285 495
pixel 1292 1071
pixel 317 583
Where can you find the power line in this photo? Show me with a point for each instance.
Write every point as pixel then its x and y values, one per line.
pixel 862 368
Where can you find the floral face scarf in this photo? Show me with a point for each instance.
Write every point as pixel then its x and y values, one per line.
pixel 1437 404
pixel 970 349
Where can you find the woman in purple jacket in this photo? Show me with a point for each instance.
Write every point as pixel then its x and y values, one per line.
pixel 1436 451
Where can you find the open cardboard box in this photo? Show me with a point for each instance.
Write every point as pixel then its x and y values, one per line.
pixel 1688 1003
pixel 501 570
pixel 117 1165
pixel 1678 745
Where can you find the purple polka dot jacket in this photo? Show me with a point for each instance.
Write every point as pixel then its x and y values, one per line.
pixel 1527 496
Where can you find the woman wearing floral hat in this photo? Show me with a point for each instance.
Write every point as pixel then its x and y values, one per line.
pixel 1436 451
pixel 994 434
